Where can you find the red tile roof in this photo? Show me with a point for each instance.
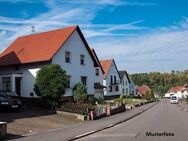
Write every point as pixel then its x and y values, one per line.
pixel 175 89
pixel 142 90
pixel 106 64
pixel 38 47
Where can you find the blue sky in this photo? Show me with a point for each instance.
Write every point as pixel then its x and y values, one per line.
pixel 141 35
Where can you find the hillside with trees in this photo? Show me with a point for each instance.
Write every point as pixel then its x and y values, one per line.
pixel 161 82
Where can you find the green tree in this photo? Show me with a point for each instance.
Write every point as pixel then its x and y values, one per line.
pixel 80 93
pixel 161 82
pixel 51 82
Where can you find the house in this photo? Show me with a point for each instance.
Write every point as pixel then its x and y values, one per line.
pixel 177 90
pixel 67 47
pixel 132 88
pixel 111 78
pixel 124 82
pixel 98 82
pixel 142 90
pixel 185 90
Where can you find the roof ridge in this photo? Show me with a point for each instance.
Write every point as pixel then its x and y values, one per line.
pixel 45 32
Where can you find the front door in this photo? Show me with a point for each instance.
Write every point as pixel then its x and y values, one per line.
pixel 18 86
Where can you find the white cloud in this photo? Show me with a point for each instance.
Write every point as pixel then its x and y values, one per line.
pixel 164 49
pixel 161 49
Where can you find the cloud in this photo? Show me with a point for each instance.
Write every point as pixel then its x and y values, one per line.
pixel 134 47
pixel 111 2
pixel 60 15
pixel 162 49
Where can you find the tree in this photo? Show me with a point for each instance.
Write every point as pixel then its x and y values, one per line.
pixel 80 93
pixel 51 82
pixel 161 82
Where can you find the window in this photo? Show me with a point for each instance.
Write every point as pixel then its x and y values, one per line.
pixel 114 79
pixel 69 81
pixel 117 88
pixel 110 88
pixel 84 80
pixel 123 91
pixel 123 83
pixel 126 82
pixel 67 57
pixel 6 84
pixel 82 62
pixel 126 91
pixel 111 79
pixel 97 72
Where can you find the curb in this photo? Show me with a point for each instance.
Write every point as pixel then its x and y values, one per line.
pixel 108 126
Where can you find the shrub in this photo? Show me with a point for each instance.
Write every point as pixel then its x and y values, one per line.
pixel 91 100
pixel 120 99
pixel 51 83
pixel 100 100
pixel 79 93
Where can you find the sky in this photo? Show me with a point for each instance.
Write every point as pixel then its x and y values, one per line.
pixel 141 35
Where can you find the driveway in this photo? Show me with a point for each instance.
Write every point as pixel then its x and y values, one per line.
pixel 33 121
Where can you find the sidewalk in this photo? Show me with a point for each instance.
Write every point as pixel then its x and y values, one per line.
pixel 85 128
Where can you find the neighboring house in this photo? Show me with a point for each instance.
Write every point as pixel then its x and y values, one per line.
pixel 111 78
pixel 177 90
pixel 67 47
pixel 185 91
pixel 98 85
pixel 124 82
pixel 142 90
pixel 132 88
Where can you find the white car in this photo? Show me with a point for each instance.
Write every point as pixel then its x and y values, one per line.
pixel 174 100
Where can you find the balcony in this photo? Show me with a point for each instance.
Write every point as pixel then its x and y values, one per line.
pixel 115 82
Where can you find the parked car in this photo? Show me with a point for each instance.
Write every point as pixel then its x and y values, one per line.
pixel 173 100
pixel 7 102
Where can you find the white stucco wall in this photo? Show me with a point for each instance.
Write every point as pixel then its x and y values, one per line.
pixel 132 88
pixel 125 86
pixel 27 73
pixel 106 82
pixel 99 78
pixel 76 47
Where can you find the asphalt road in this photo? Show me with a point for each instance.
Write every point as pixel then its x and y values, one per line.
pixel 167 122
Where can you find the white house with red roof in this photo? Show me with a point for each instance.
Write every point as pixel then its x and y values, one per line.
pixel 111 78
pixel 177 90
pixel 67 47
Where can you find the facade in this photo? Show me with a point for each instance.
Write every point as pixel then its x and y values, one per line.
pixel 175 91
pixel 67 47
pixel 124 83
pixel 185 90
pixel 111 78
pixel 132 88
pixel 98 81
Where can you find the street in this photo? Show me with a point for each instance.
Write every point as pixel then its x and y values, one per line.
pixel 167 121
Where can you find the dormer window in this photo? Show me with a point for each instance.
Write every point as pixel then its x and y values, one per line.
pixel 67 57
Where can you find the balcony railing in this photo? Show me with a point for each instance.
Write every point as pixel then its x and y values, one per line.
pixel 115 82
